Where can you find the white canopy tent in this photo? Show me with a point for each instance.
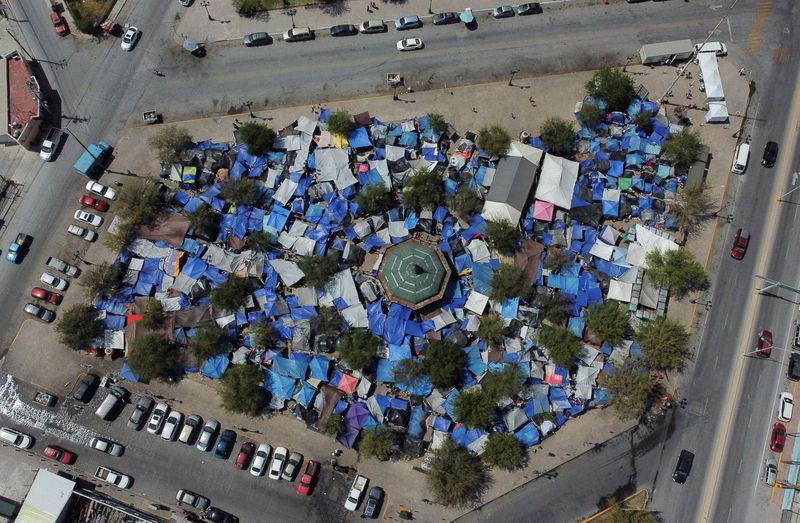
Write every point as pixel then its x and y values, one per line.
pixel 717 112
pixel 557 181
pixel 710 69
pixel 646 242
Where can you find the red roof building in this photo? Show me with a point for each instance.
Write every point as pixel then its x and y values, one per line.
pixel 20 102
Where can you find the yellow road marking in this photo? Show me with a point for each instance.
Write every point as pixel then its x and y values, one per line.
pixel 760 22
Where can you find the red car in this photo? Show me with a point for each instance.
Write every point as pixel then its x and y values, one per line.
pixel 94 203
pixel 245 453
pixel 740 243
pixel 778 438
pixel 308 478
pixel 59 24
pixel 764 344
pixel 59 454
pixel 50 297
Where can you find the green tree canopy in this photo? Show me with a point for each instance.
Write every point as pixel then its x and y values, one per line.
pixel 632 390
pixel 561 344
pixel 491 328
pixel 263 334
pixel 508 282
pixel 329 322
pixel 617 514
pixel 612 86
pixel 465 201
pixel 504 384
pixel 475 408
pixel 443 363
pixel 558 134
pixel 494 140
pixel 121 237
pixel 555 260
pixel 241 389
pixel 437 122
pixel 78 327
pixel 230 294
pixel 376 442
pixel 103 280
pixel 140 201
pixel 151 355
pixel 503 451
pixel 555 307
pixel 318 269
pixel 260 241
pixel 333 425
pixel 502 235
pixel 410 372
pixel 211 339
pixel 683 148
pixel 251 7
pixel 374 199
pixel 258 137
pixel 644 121
pixel 664 342
pixel 589 114
pixel 423 190
pixel 341 123
pixel 359 349
pixel 244 191
pixel 153 317
pixel 677 270
pixel 693 207
pixel 454 478
pixel 609 321
pixel 169 143
pixel 205 222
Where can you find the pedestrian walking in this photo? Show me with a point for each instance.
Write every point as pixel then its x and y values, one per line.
pixel 474 110
pixel 513 117
pixel 368 9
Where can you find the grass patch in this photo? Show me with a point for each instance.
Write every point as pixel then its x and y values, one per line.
pixel 88 12
pixel 278 4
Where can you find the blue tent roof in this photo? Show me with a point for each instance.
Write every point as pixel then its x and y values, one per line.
pixel 320 368
pixel 291 368
pixel 279 386
pixel 127 374
pixel 528 435
pixel 441 423
pixel 306 394
pixel 215 367
pixel 359 138
pixel 416 424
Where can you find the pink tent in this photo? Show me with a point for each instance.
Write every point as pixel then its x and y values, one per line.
pixel 543 211
pixel 348 384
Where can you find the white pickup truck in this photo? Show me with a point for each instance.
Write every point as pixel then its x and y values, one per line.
pixel 50 144
pixel 112 476
pixel 356 493
pixel 62 266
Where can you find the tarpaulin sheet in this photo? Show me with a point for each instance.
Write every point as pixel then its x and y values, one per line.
pixel 356 415
pixel 376 317
pixel 440 423
pixel 416 424
pixel 347 383
pixel 305 395
pixel 127 374
pixel 448 403
pixel 385 371
pixel 114 322
pixel 395 328
pixel 377 405
pixel 359 138
pixel 215 367
pixel 348 437
pixel 292 368
pixel 558 399
pixel 528 435
pixel 463 436
pixel 420 387
pixel 475 363
pixel 538 405
pixel 279 386
pixel 320 367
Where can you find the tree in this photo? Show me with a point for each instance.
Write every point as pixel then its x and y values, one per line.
pixel 693 206
pixel 558 134
pixel 140 202
pixel 491 328
pixel 333 425
pixel 121 237
pixel 205 222
pixel 465 201
pixel 632 390
pixel 210 340
pixel 249 7
pixel 410 372
pixel 508 282
pixel 609 321
pixel 554 307
pixel 503 451
pixel 103 280
pixel 359 349
pixel 504 384
pixel 475 408
pixel 78 327
pixel 617 514
pixel 376 442
pixel 318 269
pixel 561 344
pixel 443 363
pixel 260 241
pixel 245 191
pixel 454 478
pixel 494 140
pixel 258 137
pixel 374 199
pixel 556 259
pixel 675 269
pixel 151 356
pixel 230 294
pixel 262 334
pixel 153 317
pixel 589 114
pixel 683 148
pixel 502 235
pixel 664 342
pixel 644 121
pixel 612 86
pixel 437 123
pixel 329 322
pixel 341 123
pixel 423 190
pixel 169 143
pixel 241 389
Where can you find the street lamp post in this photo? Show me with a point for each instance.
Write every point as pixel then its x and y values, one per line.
pixel 511 79
pixel 291 12
pixel 780 197
pixel 205 4
pixel 771 348
pixel 430 7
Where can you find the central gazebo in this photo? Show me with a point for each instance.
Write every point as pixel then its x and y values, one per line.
pixel 414 273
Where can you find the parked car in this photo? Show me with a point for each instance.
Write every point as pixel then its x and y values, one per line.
pixel 157 418
pixel 88 217
pixel 785 407
pixel 683 467
pixel 294 461
pixel 504 11
pixel 225 444
pixel 101 190
pixel 217 515
pixel 374 500
pixel 130 38
pixel 778 437
pixel 764 344
pixel 256 39
pixel 59 24
pixel 407 22
pixel 45 295
pixel 245 454
pixel 94 203
pixel 171 425
pixel 58 454
pixel 793 372
pixel 82 232
pixel 190 428
pixel 107 446
pixel 344 30
pixel 16 438
pixel 297 34
pixel 445 18
pixel 372 26
pixel 260 460
pixel 85 389
pixel 40 313
pixel 112 476
pixel 740 243
pixel 185 3
pixel 187 497
pixel 356 493
pixel 409 44
pixel 62 266
pixel 308 478
pixel 206 438
pixel 112 403
pixel 770 471
pixel 278 462
pixel 139 414
pixel 54 282
pixel 770 154
pixel 532 8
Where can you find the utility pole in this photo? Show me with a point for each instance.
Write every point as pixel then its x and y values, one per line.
pixel 80 142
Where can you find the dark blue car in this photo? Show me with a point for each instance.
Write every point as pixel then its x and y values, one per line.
pixel 225 444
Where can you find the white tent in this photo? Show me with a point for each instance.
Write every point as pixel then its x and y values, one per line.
pixel 333 165
pixel 647 241
pixel 710 69
pixel 533 154
pixel 288 270
pixel 717 112
pixel 621 289
pixel 557 181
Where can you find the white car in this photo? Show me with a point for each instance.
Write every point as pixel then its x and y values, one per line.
pixel 107 446
pixel 157 418
pixel 171 425
pixel 278 462
pixel 16 438
pixel 410 44
pixel 259 464
pixel 190 428
pixel 51 281
pixel 206 438
pixel 82 232
pixel 112 476
pixel 130 38
pixel 785 407
pixel 88 217
pixel 294 461
pixel 102 190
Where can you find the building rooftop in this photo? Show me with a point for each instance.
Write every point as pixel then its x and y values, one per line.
pixel 21 93
pixel 414 273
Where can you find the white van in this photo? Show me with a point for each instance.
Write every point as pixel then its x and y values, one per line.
pixel 111 406
pixel 740 158
pixel 712 47
pixel 15 438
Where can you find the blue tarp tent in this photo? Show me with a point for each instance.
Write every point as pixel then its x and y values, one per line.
pixel 359 138
pixel 416 424
pixel 279 386
pixel 528 435
pixel 127 374
pixel 320 368
pixel 306 394
pixel 215 367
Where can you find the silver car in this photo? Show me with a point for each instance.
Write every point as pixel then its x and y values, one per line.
pixel 107 446
pixel 82 232
pixel 190 428
pixel 46 315
pixel 157 419
pixel 140 411
pixel 206 439
pixel 171 425
pixel 294 461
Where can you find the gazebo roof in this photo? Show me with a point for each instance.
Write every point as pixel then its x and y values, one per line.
pixel 414 273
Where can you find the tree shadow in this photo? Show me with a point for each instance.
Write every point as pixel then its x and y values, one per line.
pixel 334 7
